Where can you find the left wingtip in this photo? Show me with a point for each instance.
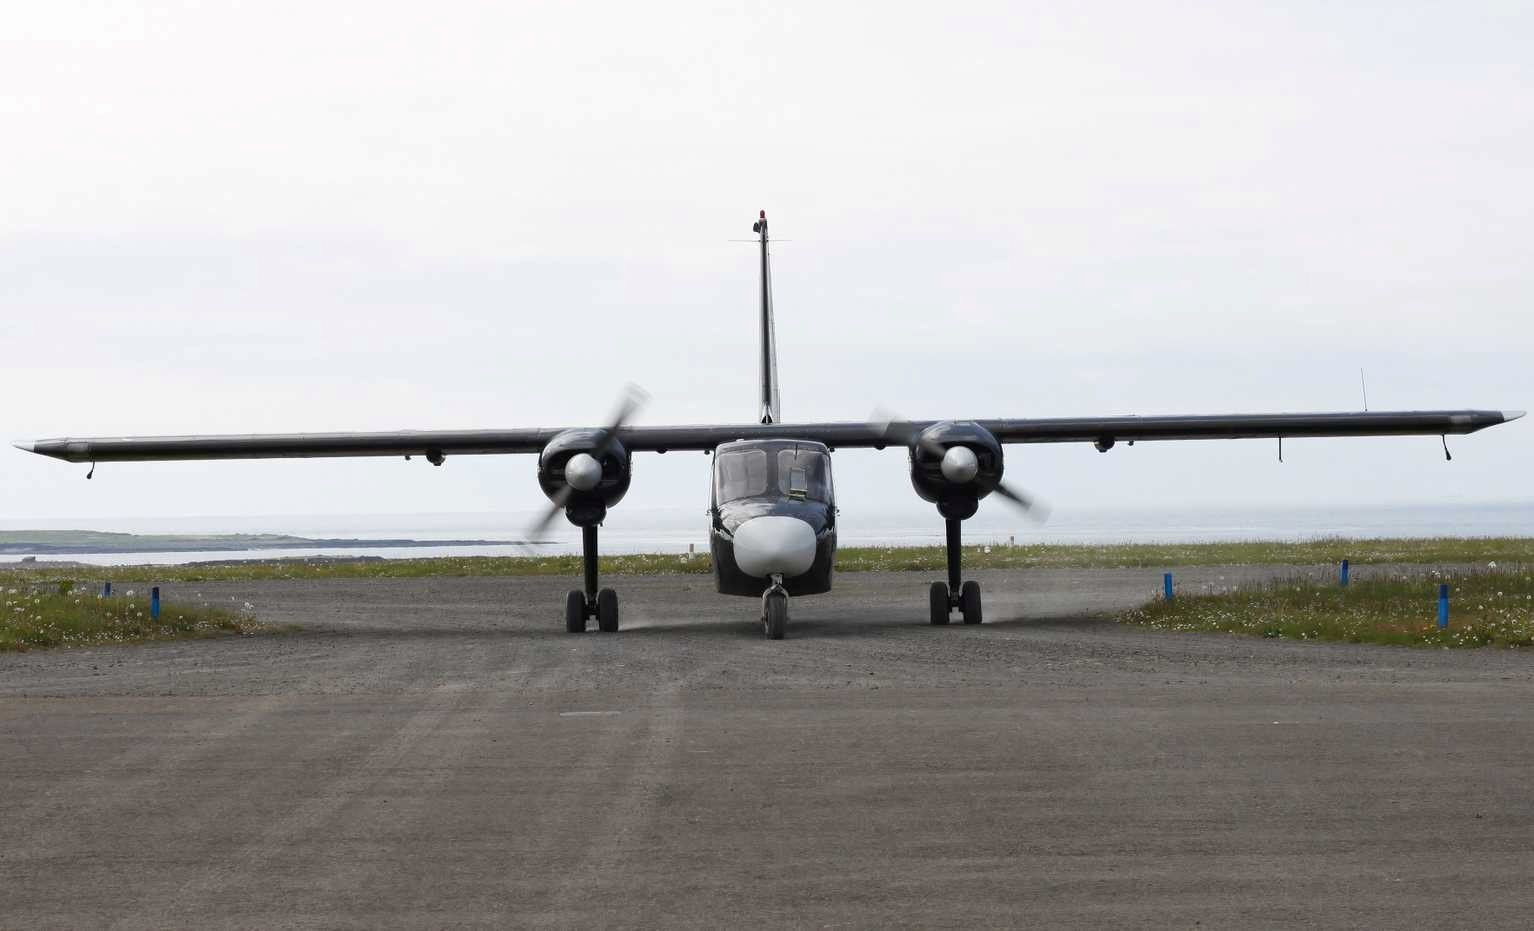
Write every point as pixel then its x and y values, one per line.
pixel 1509 416
pixel 26 447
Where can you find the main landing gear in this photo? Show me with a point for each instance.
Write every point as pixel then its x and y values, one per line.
pixel 944 598
pixel 775 609
pixel 582 606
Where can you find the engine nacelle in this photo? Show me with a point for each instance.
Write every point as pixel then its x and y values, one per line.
pixel 585 470
pixel 968 469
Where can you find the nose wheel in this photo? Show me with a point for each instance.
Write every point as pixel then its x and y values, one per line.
pixel 944 597
pixel 775 610
pixel 602 604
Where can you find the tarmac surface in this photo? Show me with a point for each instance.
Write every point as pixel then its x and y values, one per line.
pixel 438 752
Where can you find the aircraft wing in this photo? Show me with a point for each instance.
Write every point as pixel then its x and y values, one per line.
pixel 435 444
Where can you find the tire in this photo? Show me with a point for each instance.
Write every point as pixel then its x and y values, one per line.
pixel 575 613
pixel 775 624
pixel 607 611
pixel 937 597
pixel 969 602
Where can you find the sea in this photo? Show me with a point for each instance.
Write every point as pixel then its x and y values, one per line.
pixel 678 530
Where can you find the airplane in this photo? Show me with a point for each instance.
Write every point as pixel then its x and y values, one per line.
pixel 772 507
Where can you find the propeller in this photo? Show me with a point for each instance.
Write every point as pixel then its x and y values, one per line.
pixel 958 463
pixel 1032 507
pixel 583 471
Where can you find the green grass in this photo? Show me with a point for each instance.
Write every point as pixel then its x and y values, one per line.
pixel 1487 608
pixel 1427 551
pixel 64 616
pixel 1436 551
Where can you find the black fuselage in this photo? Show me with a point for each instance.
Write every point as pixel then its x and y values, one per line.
pixel 778 478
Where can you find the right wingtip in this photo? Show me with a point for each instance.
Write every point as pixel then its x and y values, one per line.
pixel 26 447
pixel 1510 416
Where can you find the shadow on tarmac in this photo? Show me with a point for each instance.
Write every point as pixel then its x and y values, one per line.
pixel 721 628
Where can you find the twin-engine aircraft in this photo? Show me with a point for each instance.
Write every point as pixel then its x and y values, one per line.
pixel 772 510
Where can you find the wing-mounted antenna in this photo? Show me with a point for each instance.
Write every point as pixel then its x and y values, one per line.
pixel 768 410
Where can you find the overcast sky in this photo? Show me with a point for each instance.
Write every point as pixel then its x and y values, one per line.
pixel 321 216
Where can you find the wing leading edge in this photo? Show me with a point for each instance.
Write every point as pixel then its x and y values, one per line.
pixel 435 444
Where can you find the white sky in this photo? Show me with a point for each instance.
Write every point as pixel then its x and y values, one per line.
pixel 320 216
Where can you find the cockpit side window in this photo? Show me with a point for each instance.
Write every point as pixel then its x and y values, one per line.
pixel 741 474
pixel 804 475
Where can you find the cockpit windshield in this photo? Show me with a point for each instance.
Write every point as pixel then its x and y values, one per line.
pixel 800 474
pixel 741 474
pixel 804 474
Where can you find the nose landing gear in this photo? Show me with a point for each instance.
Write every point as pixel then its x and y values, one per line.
pixel 775 609
pixel 943 598
pixel 592 603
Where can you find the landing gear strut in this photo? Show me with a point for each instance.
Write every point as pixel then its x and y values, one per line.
pixel 943 598
pixel 775 609
pixel 582 606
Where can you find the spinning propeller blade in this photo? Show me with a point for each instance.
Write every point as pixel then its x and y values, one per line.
pixel 536 530
pixel 1032 507
pixel 629 402
pixel 900 432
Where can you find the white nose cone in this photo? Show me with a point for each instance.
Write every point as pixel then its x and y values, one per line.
pixel 582 472
pixel 769 544
pixel 960 465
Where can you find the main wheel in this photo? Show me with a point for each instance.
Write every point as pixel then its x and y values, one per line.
pixel 607 611
pixel 575 612
pixel 938 597
pixel 969 602
pixel 775 623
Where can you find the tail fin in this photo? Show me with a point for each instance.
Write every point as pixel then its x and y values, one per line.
pixel 768 412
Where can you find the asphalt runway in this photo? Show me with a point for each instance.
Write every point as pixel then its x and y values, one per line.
pixel 439 753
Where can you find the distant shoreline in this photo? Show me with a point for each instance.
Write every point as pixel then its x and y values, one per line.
pixel 82 542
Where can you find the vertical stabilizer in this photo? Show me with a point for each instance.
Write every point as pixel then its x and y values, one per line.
pixel 768 411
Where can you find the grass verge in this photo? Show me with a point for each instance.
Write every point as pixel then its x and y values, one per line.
pixel 1487 608
pixel 1429 551
pixel 62 616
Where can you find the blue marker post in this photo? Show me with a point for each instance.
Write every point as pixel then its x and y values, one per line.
pixel 1166 584
pixel 106 589
pixel 1343 574
pixel 1443 606
pixel 154 603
